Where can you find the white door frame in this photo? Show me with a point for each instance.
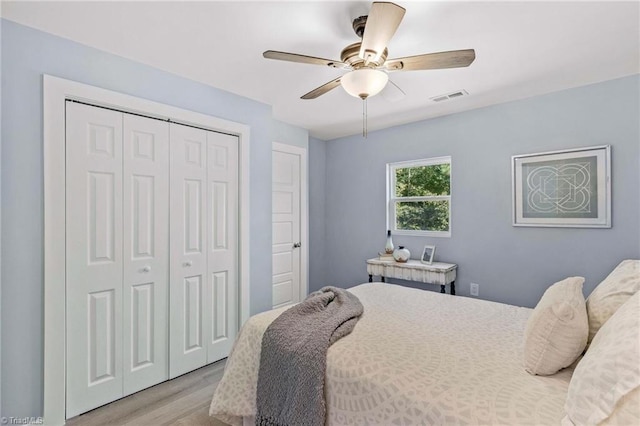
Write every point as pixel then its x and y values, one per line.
pixel 304 212
pixel 56 92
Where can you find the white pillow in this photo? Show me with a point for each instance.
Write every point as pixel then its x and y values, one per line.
pixel 622 283
pixel 556 332
pixel 627 411
pixel 604 385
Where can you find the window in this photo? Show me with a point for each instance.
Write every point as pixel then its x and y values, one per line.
pixel 419 197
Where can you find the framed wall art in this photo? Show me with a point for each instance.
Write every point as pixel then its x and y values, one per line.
pixel 569 188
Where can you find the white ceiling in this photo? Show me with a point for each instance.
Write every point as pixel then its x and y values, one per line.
pixel 523 49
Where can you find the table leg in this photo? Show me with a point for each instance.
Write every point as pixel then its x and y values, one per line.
pixel 442 289
pixel 453 288
pixel 370 278
pixel 382 278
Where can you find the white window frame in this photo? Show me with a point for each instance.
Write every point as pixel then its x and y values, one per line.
pixel 391 199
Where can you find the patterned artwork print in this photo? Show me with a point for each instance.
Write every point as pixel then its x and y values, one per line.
pixel 560 188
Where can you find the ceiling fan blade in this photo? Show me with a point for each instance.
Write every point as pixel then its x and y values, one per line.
pixel 319 91
pixel 382 23
pixel 432 61
pixel 392 92
pixel 303 59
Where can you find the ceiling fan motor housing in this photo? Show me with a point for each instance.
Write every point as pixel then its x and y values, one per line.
pixel 350 55
pixel 359 24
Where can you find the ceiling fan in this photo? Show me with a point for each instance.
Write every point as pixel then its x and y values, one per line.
pixel 367 60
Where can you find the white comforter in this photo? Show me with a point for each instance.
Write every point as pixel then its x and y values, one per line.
pixel 414 358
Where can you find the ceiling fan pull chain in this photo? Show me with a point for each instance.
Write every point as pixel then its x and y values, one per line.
pixel 364 117
pixel 364 127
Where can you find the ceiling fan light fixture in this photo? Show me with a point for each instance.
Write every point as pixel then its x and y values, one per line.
pixel 364 82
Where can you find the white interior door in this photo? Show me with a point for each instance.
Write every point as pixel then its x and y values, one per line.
pixel 94 257
pixel 222 290
pixel 188 266
pixel 146 252
pixel 289 277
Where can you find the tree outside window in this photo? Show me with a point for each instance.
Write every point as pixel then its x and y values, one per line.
pixel 420 197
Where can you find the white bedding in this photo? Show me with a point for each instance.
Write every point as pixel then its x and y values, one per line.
pixel 415 357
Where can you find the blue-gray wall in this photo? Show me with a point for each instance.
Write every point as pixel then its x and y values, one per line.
pixel 26 55
pixel 290 135
pixel 317 224
pixel 512 264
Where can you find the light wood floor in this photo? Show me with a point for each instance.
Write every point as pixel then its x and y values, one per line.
pixel 183 401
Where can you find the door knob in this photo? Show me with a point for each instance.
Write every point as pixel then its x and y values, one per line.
pixel 147 268
pixel 297 245
pixel 187 263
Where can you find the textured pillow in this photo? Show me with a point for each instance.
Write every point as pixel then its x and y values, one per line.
pixel 622 283
pixel 604 385
pixel 556 332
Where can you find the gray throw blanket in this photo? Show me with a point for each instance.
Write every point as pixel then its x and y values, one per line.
pixel 293 360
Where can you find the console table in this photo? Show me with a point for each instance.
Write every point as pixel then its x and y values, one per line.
pixel 414 270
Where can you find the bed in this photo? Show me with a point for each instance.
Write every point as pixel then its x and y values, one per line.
pixel 415 357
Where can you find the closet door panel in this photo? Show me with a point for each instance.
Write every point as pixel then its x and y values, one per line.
pixel 94 257
pixel 146 252
pixel 188 265
pixel 221 295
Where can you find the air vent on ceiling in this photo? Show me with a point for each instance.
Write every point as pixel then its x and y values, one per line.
pixel 449 96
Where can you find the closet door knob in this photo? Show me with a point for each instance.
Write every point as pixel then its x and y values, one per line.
pixel 147 268
pixel 187 263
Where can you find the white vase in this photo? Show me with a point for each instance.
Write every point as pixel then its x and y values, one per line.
pixel 388 248
pixel 401 254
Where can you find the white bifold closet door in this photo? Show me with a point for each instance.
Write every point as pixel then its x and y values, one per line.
pixel 146 252
pixel 117 209
pixel 152 254
pixel 204 235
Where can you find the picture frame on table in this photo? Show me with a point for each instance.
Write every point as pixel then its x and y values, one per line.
pixel 569 188
pixel 427 255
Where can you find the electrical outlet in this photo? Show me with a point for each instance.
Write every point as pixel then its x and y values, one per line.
pixel 474 289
